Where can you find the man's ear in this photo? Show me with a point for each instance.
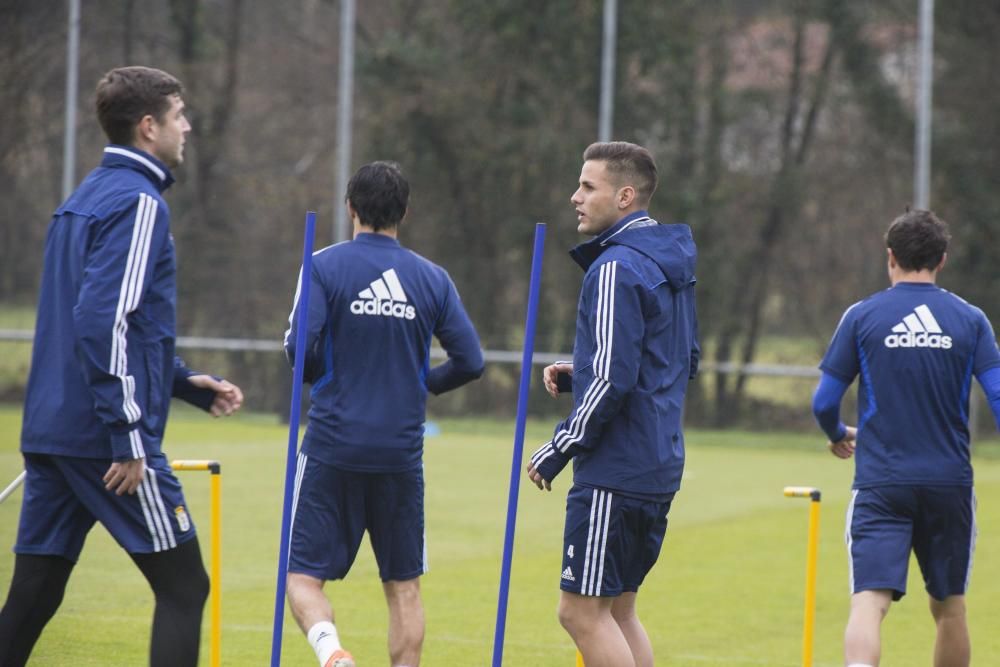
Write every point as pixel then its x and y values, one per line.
pixel 626 195
pixel 145 130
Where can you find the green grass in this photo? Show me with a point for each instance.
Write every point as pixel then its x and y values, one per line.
pixel 727 590
pixel 17 317
pixel 16 355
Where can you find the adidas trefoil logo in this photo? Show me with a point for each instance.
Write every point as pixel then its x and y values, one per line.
pixel 918 329
pixel 384 297
pixel 568 574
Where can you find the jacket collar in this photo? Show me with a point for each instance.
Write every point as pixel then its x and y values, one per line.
pixel 374 237
pixel 131 157
pixel 587 253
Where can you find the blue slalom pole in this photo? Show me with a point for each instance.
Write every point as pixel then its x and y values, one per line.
pixel 515 465
pixel 301 312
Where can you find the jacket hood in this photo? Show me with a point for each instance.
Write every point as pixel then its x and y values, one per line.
pixel 671 247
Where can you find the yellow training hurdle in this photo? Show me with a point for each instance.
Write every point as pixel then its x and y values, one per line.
pixel 215 567
pixel 809 617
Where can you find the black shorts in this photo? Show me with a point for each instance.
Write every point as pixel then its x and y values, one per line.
pixel 64 496
pixel 333 508
pixel 610 541
pixel 937 522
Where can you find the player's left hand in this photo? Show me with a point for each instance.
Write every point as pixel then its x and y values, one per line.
pixel 844 448
pixel 228 397
pixel 550 376
pixel 537 478
pixel 125 476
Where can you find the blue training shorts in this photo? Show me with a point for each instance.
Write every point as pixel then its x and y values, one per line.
pixel 610 541
pixel 937 522
pixel 64 496
pixel 333 508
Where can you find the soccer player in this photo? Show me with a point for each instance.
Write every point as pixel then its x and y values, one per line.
pixel 634 352
pixel 102 373
pixel 915 347
pixel 373 308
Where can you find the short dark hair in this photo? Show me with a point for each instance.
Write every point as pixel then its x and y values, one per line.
pixel 630 163
pixel 126 95
pixel 918 240
pixel 379 193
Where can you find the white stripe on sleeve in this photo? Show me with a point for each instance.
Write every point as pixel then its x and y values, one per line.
pixel 129 294
pixel 135 440
pixel 609 324
pixel 544 452
pixel 598 388
pixel 604 322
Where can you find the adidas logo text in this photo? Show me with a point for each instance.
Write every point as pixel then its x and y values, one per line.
pixel 378 307
pixel 385 297
pixel 918 329
pixel 911 339
pixel 568 574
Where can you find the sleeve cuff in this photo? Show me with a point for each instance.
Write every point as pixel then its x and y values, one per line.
pixel 834 373
pixel 549 461
pixel 127 445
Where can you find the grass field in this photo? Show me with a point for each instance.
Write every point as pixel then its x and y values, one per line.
pixel 727 590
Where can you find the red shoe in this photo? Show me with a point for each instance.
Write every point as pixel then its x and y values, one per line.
pixel 340 659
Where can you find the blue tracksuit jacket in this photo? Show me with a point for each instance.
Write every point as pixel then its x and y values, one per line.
pixel 635 350
pixel 102 366
pixel 373 308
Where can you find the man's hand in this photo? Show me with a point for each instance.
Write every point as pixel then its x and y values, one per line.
pixel 228 397
pixel 125 476
pixel 844 448
pixel 536 476
pixel 550 377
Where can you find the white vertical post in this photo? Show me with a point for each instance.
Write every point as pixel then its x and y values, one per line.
pixel 72 91
pixel 345 114
pixel 608 56
pixel 925 82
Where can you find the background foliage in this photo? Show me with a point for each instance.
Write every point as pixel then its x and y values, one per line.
pixel 783 130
